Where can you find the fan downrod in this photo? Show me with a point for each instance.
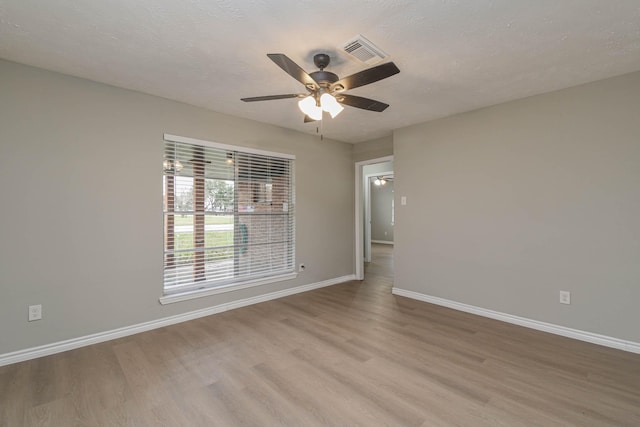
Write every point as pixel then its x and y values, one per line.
pixel 323 78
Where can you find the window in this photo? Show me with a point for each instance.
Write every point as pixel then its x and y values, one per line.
pixel 228 217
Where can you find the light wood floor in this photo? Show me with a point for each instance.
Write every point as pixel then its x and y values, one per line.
pixel 350 354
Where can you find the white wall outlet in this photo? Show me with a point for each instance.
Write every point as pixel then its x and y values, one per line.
pixel 403 200
pixel 565 297
pixel 301 267
pixel 35 312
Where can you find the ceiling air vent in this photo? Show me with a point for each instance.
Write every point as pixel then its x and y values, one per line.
pixel 363 50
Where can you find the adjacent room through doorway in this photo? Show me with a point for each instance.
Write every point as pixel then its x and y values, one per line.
pixel 375 217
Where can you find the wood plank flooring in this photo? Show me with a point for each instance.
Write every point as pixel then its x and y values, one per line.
pixel 345 355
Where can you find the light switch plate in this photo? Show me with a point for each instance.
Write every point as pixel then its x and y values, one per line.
pixel 35 312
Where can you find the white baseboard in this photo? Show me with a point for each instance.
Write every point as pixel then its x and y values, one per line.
pixel 383 242
pixel 59 347
pixel 604 340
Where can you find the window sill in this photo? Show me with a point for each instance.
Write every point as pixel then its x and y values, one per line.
pixel 199 293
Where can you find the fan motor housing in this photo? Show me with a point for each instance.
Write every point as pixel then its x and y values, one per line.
pixel 324 78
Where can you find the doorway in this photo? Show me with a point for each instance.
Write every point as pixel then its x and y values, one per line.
pixel 367 173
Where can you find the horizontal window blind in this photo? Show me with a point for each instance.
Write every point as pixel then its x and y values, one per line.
pixel 228 216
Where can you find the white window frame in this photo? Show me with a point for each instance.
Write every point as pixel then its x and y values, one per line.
pixel 168 298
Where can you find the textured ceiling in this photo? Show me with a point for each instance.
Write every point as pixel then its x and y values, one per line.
pixel 454 56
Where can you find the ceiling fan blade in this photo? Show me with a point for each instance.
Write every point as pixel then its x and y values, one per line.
pixel 272 97
pixel 308 119
pixel 365 77
pixel 360 102
pixel 293 69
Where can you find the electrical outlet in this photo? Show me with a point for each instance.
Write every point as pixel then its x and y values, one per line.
pixel 301 267
pixel 565 297
pixel 35 312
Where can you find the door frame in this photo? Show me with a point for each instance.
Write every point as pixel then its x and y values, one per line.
pixel 361 196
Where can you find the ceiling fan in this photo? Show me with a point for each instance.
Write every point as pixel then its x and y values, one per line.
pixel 382 179
pixel 325 89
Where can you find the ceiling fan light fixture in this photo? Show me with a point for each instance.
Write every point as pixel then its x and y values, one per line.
pixel 229 159
pixel 380 181
pixel 308 106
pixel 330 105
pixel 170 166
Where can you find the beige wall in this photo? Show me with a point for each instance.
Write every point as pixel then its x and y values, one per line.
pixel 373 149
pixel 381 208
pixel 510 204
pixel 80 181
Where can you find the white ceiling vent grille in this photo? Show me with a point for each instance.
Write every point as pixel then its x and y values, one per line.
pixel 363 50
